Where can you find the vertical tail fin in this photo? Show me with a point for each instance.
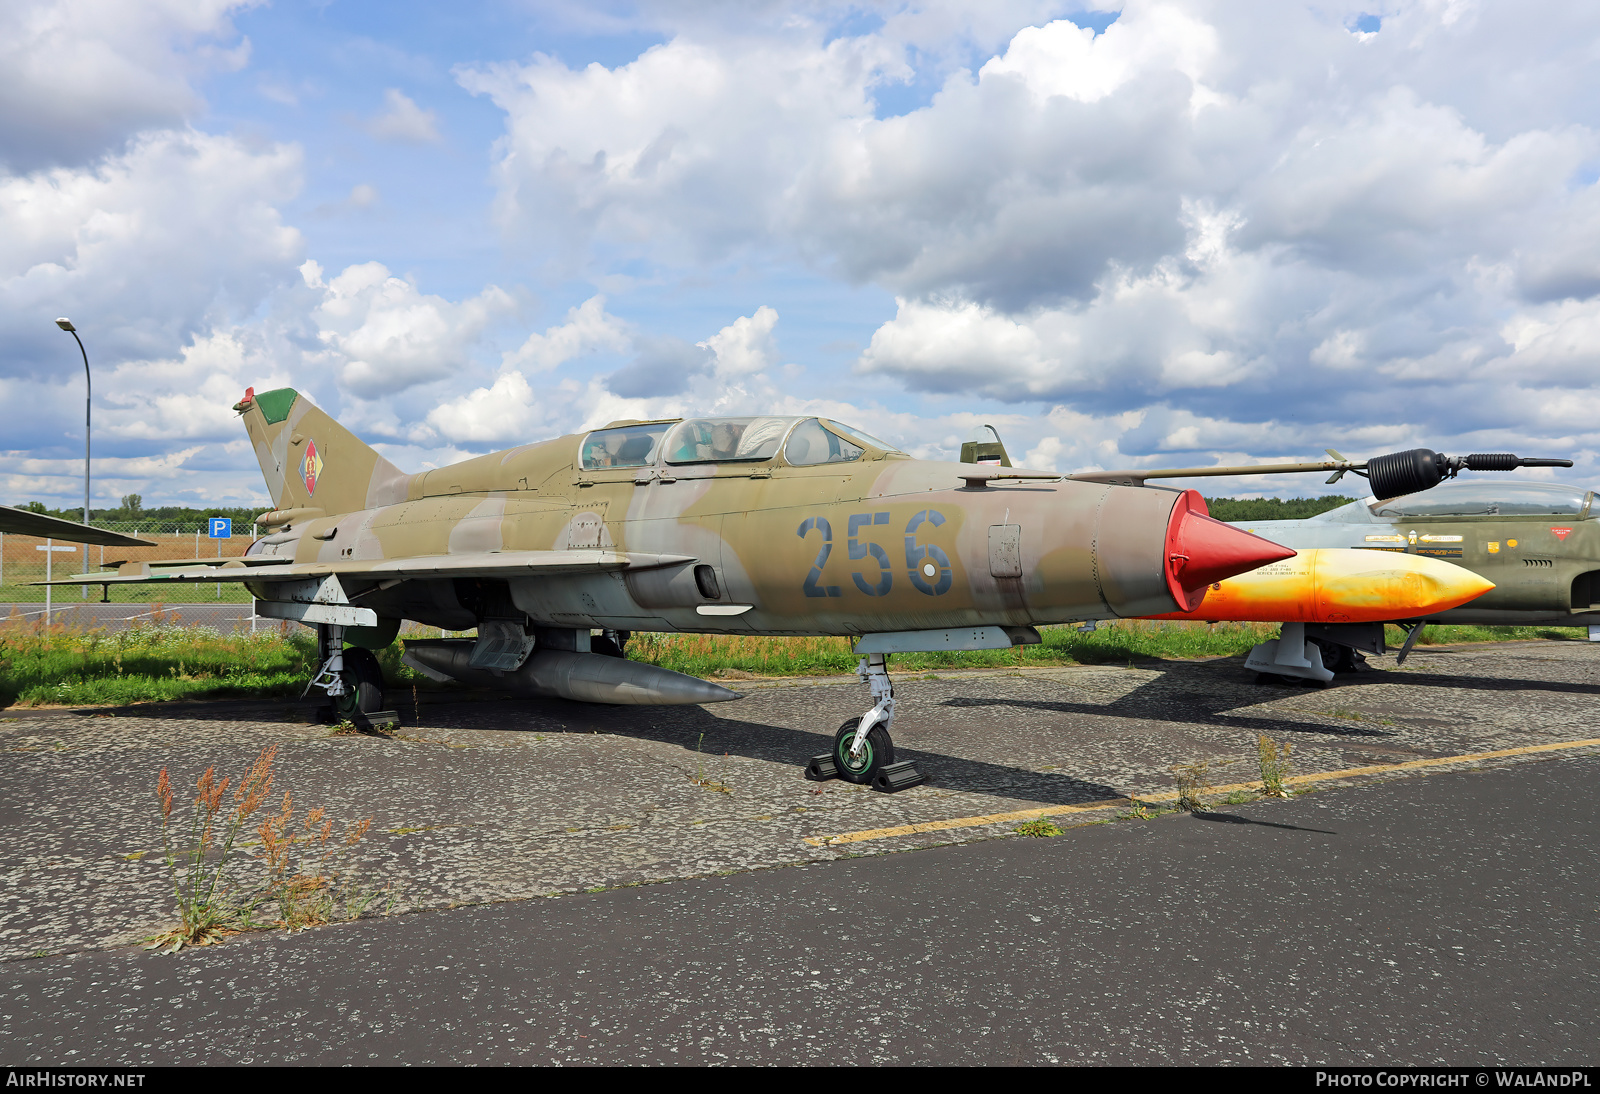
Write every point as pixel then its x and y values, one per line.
pixel 311 461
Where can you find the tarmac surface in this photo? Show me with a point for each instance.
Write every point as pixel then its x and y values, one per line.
pixel 1421 919
pixel 69 611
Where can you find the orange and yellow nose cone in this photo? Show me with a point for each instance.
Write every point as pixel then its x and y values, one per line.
pixel 1338 585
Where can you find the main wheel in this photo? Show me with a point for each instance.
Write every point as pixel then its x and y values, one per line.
pixel 877 752
pixel 1335 657
pixel 363 683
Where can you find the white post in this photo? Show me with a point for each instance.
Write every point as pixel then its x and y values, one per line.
pixel 219 560
pixel 2 558
pixel 49 556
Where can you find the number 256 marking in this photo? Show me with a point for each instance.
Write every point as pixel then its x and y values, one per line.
pixel 927 565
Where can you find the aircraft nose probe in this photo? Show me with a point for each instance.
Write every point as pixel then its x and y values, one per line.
pixel 1420 469
pixel 1392 475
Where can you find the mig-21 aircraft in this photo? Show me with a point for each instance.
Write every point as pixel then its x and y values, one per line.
pixel 772 525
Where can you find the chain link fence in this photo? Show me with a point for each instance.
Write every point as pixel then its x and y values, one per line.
pixel 23 559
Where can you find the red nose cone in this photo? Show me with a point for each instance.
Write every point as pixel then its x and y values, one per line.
pixel 1201 550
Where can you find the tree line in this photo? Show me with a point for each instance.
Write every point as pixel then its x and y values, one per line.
pixel 133 511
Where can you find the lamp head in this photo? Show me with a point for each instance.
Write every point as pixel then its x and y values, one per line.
pixel 65 324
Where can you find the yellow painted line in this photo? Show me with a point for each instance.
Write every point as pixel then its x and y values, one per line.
pixel 1172 795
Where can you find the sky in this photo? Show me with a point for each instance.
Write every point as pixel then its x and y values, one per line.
pixel 1157 234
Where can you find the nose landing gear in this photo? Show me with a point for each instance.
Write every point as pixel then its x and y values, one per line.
pixel 862 750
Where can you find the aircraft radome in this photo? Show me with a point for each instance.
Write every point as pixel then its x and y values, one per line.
pixel 747 525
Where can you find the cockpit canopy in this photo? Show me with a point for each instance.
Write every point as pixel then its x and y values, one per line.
pixel 1475 498
pixel 803 441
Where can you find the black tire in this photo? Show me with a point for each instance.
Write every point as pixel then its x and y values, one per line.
pixel 605 647
pixel 1335 657
pixel 363 683
pixel 879 753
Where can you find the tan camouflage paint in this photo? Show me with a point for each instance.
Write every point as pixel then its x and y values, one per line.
pixel 1087 550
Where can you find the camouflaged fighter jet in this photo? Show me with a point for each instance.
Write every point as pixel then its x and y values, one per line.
pixel 1539 542
pixel 1534 545
pixel 741 525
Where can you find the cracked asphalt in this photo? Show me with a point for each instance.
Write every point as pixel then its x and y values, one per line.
pixel 1418 919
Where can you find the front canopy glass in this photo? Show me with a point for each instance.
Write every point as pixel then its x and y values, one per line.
pixel 723 440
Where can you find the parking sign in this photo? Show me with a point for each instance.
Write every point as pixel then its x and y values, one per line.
pixel 221 527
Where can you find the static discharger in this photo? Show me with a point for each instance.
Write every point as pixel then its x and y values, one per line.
pixel 1339 585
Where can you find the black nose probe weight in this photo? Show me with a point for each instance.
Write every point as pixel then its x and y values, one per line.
pixel 1422 469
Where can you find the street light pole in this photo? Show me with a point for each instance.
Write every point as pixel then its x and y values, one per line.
pixel 88 390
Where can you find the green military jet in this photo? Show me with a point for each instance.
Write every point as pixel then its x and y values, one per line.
pixel 1539 542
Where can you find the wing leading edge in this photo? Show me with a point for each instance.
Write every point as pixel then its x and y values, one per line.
pixel 481 564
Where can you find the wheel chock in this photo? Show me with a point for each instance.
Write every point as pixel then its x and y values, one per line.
pixel 377 718
pixel 821 768
pixel 900 776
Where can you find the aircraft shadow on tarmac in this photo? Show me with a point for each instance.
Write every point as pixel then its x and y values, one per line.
pixel 1234 818
pixel 781 744
pixel 690 727
pixel 1468 683
pixel 1169 700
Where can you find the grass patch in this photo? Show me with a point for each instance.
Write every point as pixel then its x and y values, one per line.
pixel 55 666
pixel 1447 635
pixel 58 665
pixel 166 592
pixel 1118 642
pixel 1040 828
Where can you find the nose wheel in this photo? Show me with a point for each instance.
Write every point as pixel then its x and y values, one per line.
pixel 862 751
pixel 861 763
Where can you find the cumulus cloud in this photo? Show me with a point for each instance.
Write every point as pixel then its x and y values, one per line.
pixel 504 410
pixel 663 366
pixel 588 329
pixel 1257 216
pixel 139 237
pixel 385 336
pixel 77 77
pixel 1211 231
pixel 403 120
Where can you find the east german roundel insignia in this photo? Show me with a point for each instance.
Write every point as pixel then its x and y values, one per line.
pixel 311 467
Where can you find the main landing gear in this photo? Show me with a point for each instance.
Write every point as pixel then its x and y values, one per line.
pixel 862 751
pixel 351 678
